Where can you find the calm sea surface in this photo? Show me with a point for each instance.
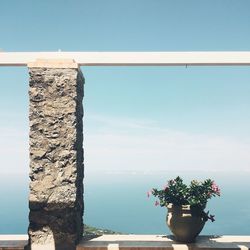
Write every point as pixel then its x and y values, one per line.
pixel 118 201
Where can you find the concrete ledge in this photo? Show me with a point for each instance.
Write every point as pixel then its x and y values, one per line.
pixel 54 63
pixel 140 242
pixel 13 242
pixel 162 242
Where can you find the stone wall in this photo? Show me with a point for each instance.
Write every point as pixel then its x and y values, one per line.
pixel 56 157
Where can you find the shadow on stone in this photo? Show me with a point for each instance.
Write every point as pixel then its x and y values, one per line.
pixel 55 226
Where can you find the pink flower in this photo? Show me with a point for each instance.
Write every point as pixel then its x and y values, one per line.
pixel 215 188
pixel 165 188
pixel 149 193
pixel 157 203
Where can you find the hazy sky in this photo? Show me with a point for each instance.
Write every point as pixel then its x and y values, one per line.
pixel 136 118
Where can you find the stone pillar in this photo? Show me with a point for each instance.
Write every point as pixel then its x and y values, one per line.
pixel 56 155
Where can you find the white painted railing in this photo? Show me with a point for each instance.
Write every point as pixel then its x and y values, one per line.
pixel 131 58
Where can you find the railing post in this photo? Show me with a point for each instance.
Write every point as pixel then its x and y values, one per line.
pixel 56 155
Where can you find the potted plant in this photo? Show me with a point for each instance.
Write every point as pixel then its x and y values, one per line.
pixel 186 216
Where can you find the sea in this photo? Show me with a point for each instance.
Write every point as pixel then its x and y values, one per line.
pixel 117 200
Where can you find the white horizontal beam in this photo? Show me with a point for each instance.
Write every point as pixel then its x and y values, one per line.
pixel 131 58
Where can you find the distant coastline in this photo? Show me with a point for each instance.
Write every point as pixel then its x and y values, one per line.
pixel 93 231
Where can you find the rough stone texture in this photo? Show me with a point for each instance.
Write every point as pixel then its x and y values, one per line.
pixel 56 158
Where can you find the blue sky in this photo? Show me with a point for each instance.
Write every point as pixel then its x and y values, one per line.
pixel 150 117
pixel 139 25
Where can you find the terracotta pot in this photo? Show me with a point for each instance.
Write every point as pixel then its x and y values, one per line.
pixel 184 222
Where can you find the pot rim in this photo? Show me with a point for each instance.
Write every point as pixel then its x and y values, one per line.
pixel 171 207
pixel 179 207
